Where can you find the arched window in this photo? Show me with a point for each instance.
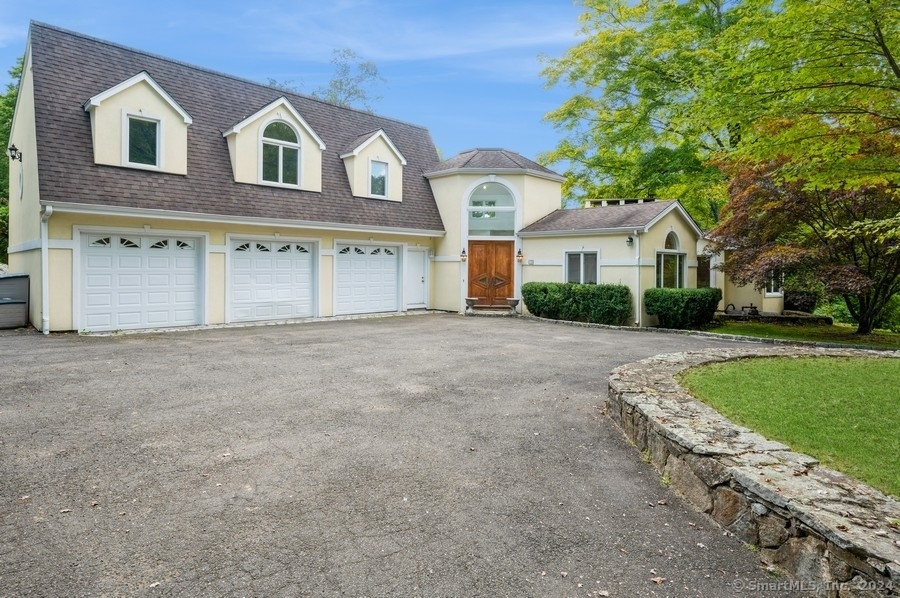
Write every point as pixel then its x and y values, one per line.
pixel 670 263
pixel 492 211
pixel 280 154
pixel 672 241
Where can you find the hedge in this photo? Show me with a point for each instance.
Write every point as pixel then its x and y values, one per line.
pixel 595 303
pixel 682 308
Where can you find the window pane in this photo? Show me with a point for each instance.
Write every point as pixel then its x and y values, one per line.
pixel 492 194
pixel 703 272
pixel 290 165
pixel 379 179
pixel 280 131
pixel 573 267
pixel 142 141
pixel 270 162
pixel 590 268
pixel 492 224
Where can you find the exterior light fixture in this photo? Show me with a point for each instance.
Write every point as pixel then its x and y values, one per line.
pixel 14 153
pixel 462 255
pixel 519 256
pixel 629 241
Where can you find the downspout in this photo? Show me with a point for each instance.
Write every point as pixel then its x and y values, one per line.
pixel 639 302
pixel 46 212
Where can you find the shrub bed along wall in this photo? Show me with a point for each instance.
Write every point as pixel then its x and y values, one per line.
pixel 608 304
pixel 682 308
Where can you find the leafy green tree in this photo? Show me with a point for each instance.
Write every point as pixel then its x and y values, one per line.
pixel 774 226
pixel 630 126
pixel 815 82
pixel 7 107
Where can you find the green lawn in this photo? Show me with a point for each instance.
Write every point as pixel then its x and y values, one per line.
pixel 843 411
pixel 839 333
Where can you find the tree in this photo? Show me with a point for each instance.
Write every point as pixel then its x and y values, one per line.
pixel 630 128
pixel 351 82
pixel 816 82
pixel 846 238
pixel 7 107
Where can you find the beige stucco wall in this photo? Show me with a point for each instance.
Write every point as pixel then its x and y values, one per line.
pixel 545 257
pixel 357 168
pixel 245 146
pixel 62 227
pixel 535 198
pixel 24 194
pixel 108 122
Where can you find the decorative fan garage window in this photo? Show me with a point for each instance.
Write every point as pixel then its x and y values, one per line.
pixel 243 247
pixel 126 242
pixel 181 244
pixel 161 244
pixel 99 242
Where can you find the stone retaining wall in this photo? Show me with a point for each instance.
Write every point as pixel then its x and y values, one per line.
pixel 818 525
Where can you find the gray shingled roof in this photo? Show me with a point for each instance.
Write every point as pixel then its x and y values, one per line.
pixel 491 159
pixel 69 68
pixel 630 216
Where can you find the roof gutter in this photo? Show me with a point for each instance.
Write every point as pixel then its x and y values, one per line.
pixel 46 212
pixel 81 208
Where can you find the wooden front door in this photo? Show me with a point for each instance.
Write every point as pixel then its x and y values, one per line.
pixel 491 275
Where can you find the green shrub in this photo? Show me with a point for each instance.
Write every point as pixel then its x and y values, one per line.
pixel 682 308
pixel 596 303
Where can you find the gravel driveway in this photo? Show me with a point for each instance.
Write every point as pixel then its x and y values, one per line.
pixel 432 455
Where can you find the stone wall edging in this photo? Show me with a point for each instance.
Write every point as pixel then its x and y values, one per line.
pixel 813 522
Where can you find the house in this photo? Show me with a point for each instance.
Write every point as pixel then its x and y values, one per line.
pixel 151 193
pixel 640 244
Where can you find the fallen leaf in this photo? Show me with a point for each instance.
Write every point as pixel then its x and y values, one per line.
pixel 603 593
pixel 661 502
pixel 564 573
pixel 65 510
pixel 658 580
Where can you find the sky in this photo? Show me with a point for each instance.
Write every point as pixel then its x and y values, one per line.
pixel 468 70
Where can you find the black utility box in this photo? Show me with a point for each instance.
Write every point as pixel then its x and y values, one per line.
pixel 14 301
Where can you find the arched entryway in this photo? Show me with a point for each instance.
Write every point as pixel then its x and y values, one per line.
pixel 491 212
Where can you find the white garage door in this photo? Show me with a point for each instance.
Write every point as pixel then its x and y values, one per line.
pixel 367 277
pixel 132 281
pixel 271 280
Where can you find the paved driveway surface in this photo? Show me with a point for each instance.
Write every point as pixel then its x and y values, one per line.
pixel 420 456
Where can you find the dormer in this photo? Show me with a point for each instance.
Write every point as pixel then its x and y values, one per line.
pixel 276 147
pixel 137 124
pixel 375 167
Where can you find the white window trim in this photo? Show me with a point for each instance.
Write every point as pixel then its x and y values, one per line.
pixel 127 115
pixel 281 144
pixel 682 271
pixel 470 208
pixel 387 179
pixel 581 252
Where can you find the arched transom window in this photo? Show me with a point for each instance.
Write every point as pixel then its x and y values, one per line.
pixel 280 154
pixel 672 241
pixel 492 211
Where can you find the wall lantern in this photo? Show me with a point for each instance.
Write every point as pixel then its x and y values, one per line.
pixel 462 255
pixel 629 241
pixel 14 153
pixel 519 256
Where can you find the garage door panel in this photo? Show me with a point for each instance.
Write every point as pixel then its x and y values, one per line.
pixel 271 280
pixel 366 279
pixel 130 281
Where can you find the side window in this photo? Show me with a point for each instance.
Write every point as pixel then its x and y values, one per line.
pixel 581 267
pixel 774 282
pixel 143 142
pixel 280 154
pixel 378 172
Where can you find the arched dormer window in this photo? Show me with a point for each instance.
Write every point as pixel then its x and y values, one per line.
pixel 280 154
pixel 492 211
pixel 672 241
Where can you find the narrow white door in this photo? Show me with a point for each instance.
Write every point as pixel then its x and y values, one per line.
pixel 416 278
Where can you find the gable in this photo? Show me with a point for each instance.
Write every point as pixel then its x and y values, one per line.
pixel 142 99
pixel 375 156
pixel 245 145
